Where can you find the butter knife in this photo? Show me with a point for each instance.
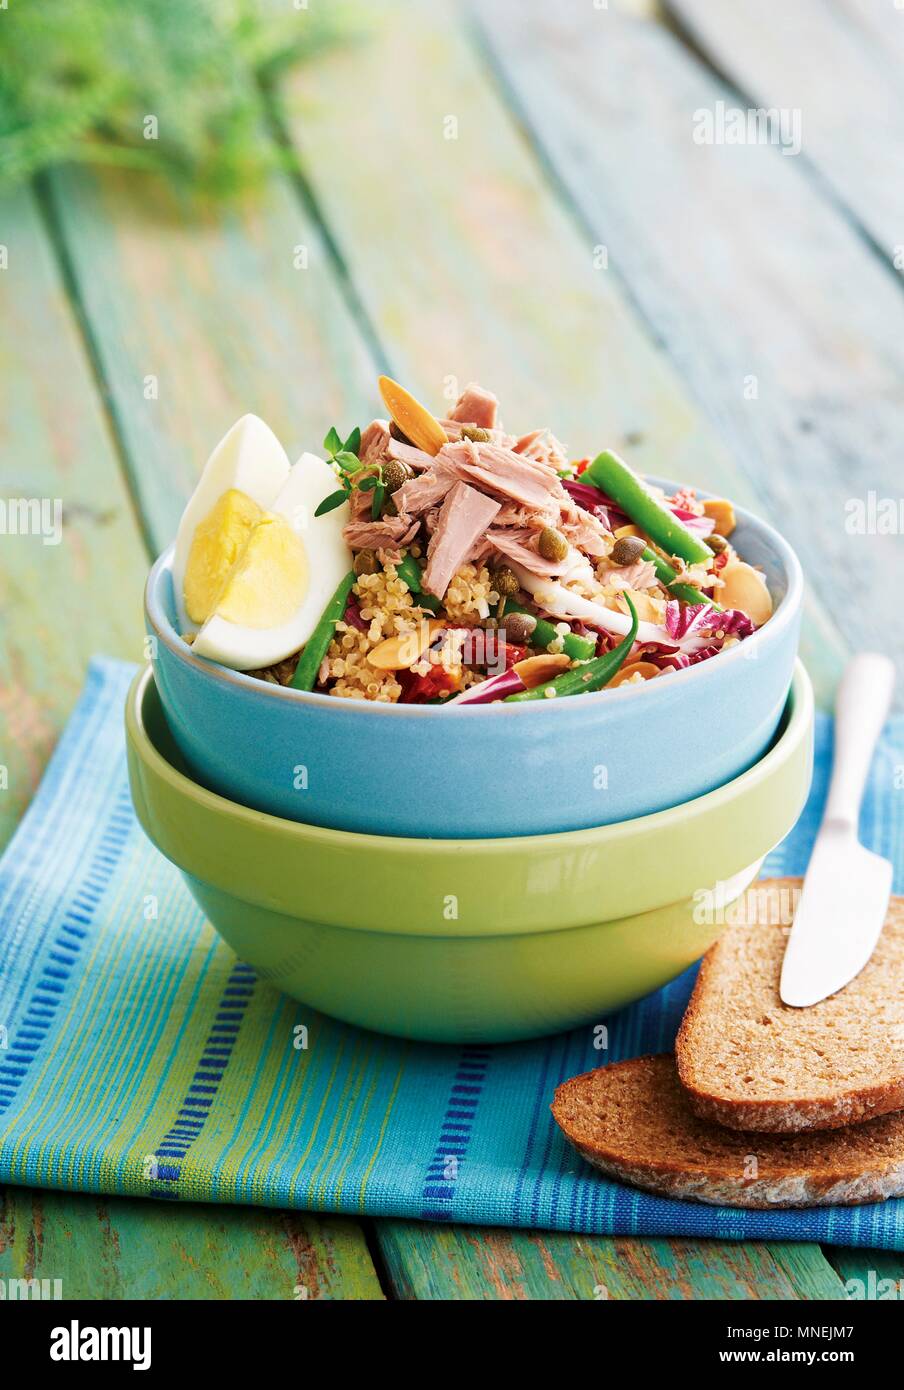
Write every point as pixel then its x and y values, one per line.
pixel 846 890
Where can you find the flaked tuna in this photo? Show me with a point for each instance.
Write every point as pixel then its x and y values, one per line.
pixel 427 490
pixel 503 473
pixel 585 531
pixel 464 517
pixel 543 446
pixel 374 443
pixel 410 454
pixel 389 530
pixel 520 546
pixel 476 407
pixel 362 532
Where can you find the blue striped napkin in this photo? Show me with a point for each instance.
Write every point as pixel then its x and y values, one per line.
pixel 140 1057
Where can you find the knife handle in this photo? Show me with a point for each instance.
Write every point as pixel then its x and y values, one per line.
pixel 861 708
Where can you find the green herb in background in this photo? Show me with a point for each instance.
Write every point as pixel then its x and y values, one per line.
pixel 88 79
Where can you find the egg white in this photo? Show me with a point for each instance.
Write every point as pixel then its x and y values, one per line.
pixel 328 557
pixel 250 458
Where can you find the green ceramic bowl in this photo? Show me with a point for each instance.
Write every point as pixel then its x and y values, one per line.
pixel 467 940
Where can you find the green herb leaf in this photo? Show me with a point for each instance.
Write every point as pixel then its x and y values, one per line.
pixel 77 76
pixel 332 443
pixel 349 463
pixel 368 484
pixel 329 504
pixel 376 505
pixel 353 443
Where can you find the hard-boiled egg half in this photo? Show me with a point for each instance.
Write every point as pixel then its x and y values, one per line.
pixel 254 567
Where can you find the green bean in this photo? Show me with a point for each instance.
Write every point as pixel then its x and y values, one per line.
pixel 409 571
pixel 665 573
pixel 629 492
pixel 667 576
pixel 593 675
pixel 577 647
pixel 316 646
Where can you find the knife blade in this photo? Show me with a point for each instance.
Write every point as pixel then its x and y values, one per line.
pixel 846 890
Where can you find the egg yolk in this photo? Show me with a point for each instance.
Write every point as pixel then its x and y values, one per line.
pixel 216 545
pixel 267 584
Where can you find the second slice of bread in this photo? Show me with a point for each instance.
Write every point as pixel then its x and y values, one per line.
pixel 750 1062
pixel 632 1120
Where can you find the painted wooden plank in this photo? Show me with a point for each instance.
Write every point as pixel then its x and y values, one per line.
pixel 811 57
pixel 198 315
pixel 444 1262
pixel 59 603
pixel 882 23
pixel 474 270
pixel 783 323
pixel 471 269
pixel 113 1248
pixel 126 296
pixel 868 1274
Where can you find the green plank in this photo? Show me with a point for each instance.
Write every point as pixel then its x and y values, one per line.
pixel 192 318
pixel 59 603
pixel 112 1248
pixel 879 23
pixel 839 72
pixel 473 270
pixel 479 272
pixel 807 316
pixel 451 1262
pixel 197 316
pixel 868 1274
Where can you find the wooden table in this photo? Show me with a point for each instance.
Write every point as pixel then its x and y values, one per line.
pixel 515 196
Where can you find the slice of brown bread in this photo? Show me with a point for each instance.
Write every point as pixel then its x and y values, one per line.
pixel 751 1062
pixel 633 1121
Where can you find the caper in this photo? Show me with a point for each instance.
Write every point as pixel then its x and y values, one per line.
pixel 394 475
pixel 365 562
pixel 519 627
pixel 552 545
pixel 397 433
pixel 716 543
pixel 475 434
pixel 505 581
pixel 627 550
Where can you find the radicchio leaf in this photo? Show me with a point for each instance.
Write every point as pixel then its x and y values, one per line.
pixel 495 688
pixel 352 616
pixel 731 622
pixel 701 526
pixel 686 619
pixel 596 503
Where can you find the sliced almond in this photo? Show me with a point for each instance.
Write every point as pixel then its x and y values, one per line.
pixel 400 652
pixel 745 588
pixel 648 609
pixel 535 670
pixel 722 513
pixel 634 668
pixel 413 419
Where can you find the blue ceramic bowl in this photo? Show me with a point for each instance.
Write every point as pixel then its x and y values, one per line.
pixel 487 770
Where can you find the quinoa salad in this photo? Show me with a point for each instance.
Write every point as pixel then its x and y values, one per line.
pixel 445 560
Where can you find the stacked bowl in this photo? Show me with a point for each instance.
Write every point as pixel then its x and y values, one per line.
pixel 479 873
